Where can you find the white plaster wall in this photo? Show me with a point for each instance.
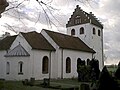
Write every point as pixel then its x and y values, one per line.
pixel 74 55
pixel 20 39
pixel 84 37
pixel 2 64
pixel 14 68
pixel 37 63
pixel 93 41
pixel 56 61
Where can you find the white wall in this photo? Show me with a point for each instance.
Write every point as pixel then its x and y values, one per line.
pixel 56 57
pixel 37 64
pixel 93 41
pixel 14 68
pixel 74 55
pixel 2 64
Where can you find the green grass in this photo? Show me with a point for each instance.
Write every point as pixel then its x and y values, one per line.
pixel 64 83
pixel 17 85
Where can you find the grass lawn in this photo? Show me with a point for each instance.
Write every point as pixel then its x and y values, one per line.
pixel 64 83
pixel 17 85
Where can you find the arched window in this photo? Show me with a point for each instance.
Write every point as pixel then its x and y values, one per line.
pixel 93 30
pixel 45 65
pixel 81 30
pixel 68 65
pixel 20 66
pixel 73 32
pixel 7 68
pixel 88 61
pixel 98 32
pixel 78 63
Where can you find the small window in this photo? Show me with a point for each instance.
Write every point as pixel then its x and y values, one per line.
pixel 93 30
pixel 45 65
pixel 99 33
pixel 68 65
pixel 77 20
pixel 7 68
pixel 81 30
pixel 73 32
pixel 20 64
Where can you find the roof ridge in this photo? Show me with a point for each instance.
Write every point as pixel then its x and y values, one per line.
pixel 60 33
pixel 69 42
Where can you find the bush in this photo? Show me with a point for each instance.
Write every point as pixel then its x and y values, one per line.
pixel 117 73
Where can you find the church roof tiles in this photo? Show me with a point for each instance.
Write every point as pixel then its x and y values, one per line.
pixel 69 42
pixel 37 41
pixel 6 43
pixel 17 51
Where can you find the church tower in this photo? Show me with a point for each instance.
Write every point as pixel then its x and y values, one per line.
pixel 89 29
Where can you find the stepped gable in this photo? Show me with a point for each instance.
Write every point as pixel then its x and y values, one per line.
pixel 81 17
pixel 69 42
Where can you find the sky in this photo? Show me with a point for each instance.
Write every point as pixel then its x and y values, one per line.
pixel 30 16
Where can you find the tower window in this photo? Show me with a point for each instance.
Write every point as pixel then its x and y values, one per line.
pixel 99 33
pixel 73 32
pixel 93 30
pixel 77 20
pixel 81 30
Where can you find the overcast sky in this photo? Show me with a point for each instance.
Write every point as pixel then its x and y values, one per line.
pixel 31 17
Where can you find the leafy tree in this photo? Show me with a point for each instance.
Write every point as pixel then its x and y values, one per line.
pixel 106 82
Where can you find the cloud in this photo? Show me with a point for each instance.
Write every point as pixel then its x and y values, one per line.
pixel 110 10
pixel 106 10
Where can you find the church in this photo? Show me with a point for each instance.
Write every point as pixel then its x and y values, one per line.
pixel 50 54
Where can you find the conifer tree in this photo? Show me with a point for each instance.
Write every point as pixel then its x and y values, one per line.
pixel 117 73
pixel 106 82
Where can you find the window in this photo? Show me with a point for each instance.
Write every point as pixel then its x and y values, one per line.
pixel 78 62
pixel 93 30
pixel 99 33
pixel 88 61
pixel 81 30
pixel 20 64
pixel 73 32
pixel 68 65
pixel 45 65
pixel 7 68
pixel 77 20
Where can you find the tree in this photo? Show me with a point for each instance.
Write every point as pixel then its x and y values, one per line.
pixel 106 82
pixel 117 73
pixel 3 5
pixel 45 13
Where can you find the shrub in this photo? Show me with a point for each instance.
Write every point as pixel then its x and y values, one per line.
pixel 117 73
pixel 106 82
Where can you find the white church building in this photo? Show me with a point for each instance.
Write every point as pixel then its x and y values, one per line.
pixel 51 54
